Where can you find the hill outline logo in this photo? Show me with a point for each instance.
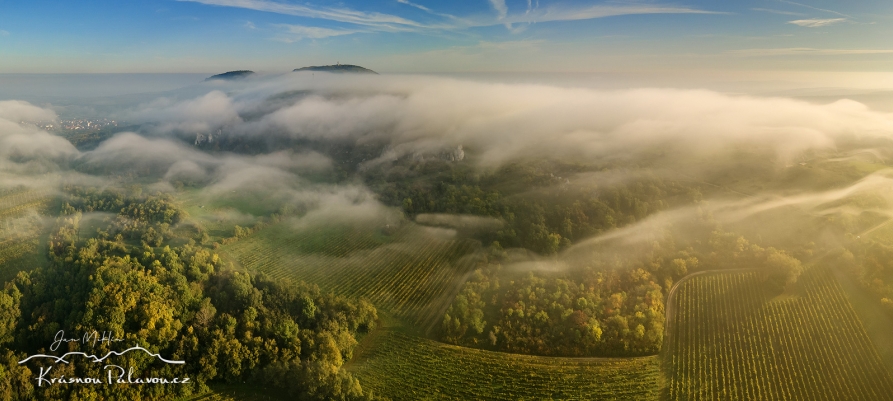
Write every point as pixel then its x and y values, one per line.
pixel 115 374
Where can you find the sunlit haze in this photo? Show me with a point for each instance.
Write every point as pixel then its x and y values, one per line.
pixel 452 200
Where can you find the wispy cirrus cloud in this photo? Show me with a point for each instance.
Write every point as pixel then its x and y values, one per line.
pixel 780 12
pixel 426 9
pixel 371 19
pixel 294 33
pixel 816 8
pixel 806 51
pixel 411 4
pixel 598 11
pixel 378 22
pixel 816 23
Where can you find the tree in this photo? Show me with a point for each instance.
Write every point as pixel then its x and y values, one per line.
pixel 782 268
pixel 10 299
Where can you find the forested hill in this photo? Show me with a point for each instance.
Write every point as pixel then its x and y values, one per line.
pixel 145 279
pixel 338 68
pixel 231 75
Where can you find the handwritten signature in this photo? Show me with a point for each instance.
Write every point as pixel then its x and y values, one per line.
pixel 91 337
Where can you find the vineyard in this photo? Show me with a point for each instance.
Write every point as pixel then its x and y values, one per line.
pixel 404 367
pixel 21 227
pixel 410 274
pixel 731 340
pixel 17 203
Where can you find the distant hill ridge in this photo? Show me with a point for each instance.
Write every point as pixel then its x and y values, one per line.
pixel 231 75
pixel 338 68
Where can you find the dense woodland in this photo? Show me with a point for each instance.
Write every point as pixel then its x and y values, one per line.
pixel 176 300
pixel 542 211
pixel 613 306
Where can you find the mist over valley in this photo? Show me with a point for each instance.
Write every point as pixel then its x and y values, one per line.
pixel 426 200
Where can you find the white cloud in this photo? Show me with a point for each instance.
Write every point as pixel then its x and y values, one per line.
pixel 503 122
pixel 203 114
pixel 23 140
pixel 4 33
pixel 175 160
pixel 816 23
pixel 500 7
pixel 294 33
pixel 16 110
pixel 250 25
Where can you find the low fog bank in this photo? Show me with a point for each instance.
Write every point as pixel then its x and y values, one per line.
pixel 177 143
pixel 34 159
pixel 822 220
pixel 496 122
pixel 502 122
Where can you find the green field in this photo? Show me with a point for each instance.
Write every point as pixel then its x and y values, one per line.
pixel 412 273
pixel 731 340
pixel 404 367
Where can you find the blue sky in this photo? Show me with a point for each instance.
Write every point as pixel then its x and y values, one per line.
pixel 445 36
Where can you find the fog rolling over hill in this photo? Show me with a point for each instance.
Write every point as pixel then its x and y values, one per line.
pixel 338 68
pixel 363 236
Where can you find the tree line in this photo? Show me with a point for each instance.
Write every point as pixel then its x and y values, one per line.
pixel 180 301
